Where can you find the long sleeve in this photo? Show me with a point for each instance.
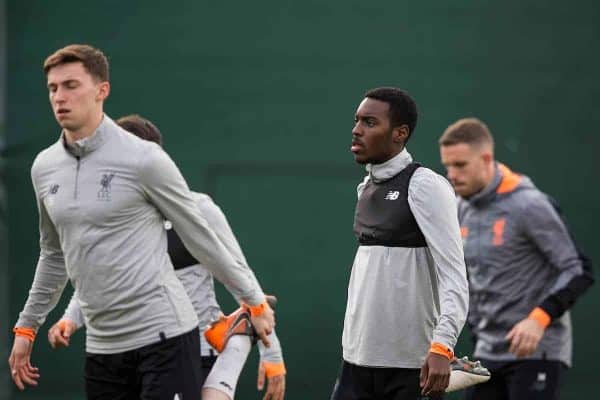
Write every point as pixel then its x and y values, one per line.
pixel 50 274
pixel 73 311
pixel 546 229
pixel 218 222
pixel 273 354
pixel 433 204
pixel 168 191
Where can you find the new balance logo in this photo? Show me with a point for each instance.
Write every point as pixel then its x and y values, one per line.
pixel 54 189
pixel 392 195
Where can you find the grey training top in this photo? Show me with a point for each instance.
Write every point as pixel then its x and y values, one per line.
pixel 199 283
pixel 102 202
pixel 402 299
pixel 518 252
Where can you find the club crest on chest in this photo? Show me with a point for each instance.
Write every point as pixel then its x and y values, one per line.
pixel 104 194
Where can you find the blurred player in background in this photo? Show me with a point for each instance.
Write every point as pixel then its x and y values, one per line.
pixel 524 269
pixel 102 195
pixel 407 295
pixel 223 372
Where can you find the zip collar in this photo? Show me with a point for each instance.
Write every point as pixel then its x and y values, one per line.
pixel 87 145
pixel 504 181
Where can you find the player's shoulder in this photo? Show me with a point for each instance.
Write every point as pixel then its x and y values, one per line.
pixel 139 153
pixel 50 152
pixel 525 194
pixel 425 172
pixel 47 157
pixel 130 142
pixel 129 152
pixel 425 178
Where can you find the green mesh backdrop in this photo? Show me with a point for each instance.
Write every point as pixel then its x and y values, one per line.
pixel 256 103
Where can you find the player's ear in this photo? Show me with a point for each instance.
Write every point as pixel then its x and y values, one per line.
pixel 400 134
pixel 487 156
pixel 103 91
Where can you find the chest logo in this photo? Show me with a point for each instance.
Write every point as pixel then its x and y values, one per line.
pixel 392 195
pixel 498 231
pixel 104 192
pixel 54 189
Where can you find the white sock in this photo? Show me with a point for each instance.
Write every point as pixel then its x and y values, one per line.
pixel 225 373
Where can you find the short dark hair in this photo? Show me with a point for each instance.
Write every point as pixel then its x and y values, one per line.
pixel 140 127
pixel 403 110
pixel 471 131
pixel 93 60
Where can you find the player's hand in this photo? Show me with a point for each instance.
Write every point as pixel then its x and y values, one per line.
pixel 60 333
pixel 21 370
pixel 264 324
pixel 275 385
pixel 524 337
pixel 435 375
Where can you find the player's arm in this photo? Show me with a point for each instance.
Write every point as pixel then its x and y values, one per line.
pixel 218 222
pixel 167 190
pixel 432 202
pixel 271 366
pixel 48 283
pixel 544 227
pixel 60 333
pixel 547 229
pixel 73 311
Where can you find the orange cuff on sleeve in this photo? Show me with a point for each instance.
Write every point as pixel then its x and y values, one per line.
pixel 28 333
pixel 274 369
pixel 255 311
pixel 540 316
pixel 438 348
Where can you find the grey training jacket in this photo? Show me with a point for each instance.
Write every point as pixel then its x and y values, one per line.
pixel 102 202
pixel 518 252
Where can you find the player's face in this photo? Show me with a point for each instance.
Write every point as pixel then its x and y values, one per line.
pixel 372 139
pixel 465 166
pixel 76 97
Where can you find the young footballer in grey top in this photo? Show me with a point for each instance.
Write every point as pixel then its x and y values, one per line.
pixel 524 270
pixel 222 372
pixel 102 196
pixel 407 296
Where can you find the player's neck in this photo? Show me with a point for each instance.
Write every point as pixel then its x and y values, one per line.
pixel 394 153
pixel 490 173
pixel 85 131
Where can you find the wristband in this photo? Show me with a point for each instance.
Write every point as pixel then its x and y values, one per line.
pixel 438 348
pixel 540 316
pixel 28 333
pixel 258 310
pixel 274 369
